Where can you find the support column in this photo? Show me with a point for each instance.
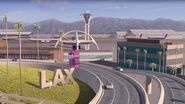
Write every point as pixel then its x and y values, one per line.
pixel 86 35
pixel 88 32
pixel 148 85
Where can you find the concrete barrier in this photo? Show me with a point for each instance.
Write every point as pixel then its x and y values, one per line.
pixel 162 93
pixel 143 89
pixel 146 99
pixel 93 81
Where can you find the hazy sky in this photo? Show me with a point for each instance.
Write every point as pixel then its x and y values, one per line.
pixel 70 11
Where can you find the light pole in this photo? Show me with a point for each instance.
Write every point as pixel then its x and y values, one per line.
pixel 87 17
pixel 61 33
pixel 5 20
pixel 118 49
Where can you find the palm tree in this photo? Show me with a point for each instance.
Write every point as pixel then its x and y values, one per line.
pixel 130 62
pixel 118 49
pixel 145 52
pixel 137 53
pixel 176 53
pixel 36 26
pixel 159 53
pixel 152 66
pixel 124 49
pixel 5 21
pixel 183 68
pixel 164 53
pixel 61 33
pixel 173 69
pixel 19 27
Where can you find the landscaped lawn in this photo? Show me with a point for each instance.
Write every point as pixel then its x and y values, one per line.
pixel 78 92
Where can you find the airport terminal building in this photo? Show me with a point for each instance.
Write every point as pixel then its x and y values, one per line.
pixel 165 53
pixel 29 50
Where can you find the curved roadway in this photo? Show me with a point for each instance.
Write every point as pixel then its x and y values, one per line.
pixel 173 86
pixel 126 91
pixel 174 89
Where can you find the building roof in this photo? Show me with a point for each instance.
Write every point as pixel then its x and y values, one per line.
pixel 155 40
pixel 13 32
pixel 30 44
pixel 45 35
pixel 153 33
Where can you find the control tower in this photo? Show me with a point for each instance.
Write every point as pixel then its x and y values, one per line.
pixel 87 17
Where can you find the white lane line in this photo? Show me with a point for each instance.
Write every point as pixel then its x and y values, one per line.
pixel 128 102
pixel 101 97
pixel 146 96
pixel 178 86
pixel 123 84
pixel 114 92
pixel 101 83
pixel 113 95
pixel 171 91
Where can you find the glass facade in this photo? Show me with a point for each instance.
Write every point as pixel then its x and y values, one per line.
pixel 141 57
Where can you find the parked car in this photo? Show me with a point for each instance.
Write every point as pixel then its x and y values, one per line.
pixel 109 86
pixel 119 68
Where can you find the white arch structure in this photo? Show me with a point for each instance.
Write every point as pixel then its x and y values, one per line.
pixel 77 41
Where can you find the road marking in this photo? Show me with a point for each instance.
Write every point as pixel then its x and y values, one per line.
pixel 177 86
pixel 128 100
pixel 171 91
pixel 119 82
pixel 113 95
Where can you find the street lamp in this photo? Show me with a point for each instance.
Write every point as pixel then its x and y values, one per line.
pixel 118 49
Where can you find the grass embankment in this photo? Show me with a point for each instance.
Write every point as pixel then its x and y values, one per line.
pixel 78 92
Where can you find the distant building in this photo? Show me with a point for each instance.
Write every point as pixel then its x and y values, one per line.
pixel 118 34
pixel 147 33
pixel 29 50
pixel 172 49
pixel 44 37
pixel 13 34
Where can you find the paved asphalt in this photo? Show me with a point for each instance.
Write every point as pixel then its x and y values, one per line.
pixel 127 92
pixel 174 91
pixel 124 92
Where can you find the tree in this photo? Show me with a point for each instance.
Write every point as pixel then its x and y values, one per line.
pixel 124 49
pixel 118 49
pixel 5 21
pixel 152 66
pixel 173 69
pixel 183 68
pixel 61 33
pixel 159 53
pixel 36 26
pixel 177 50
pixel 137 53
pixel 130 62
pixel 19 27
pixel 164 53
pixel 145 52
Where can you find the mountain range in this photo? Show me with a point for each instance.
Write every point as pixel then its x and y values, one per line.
pixel 105 25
